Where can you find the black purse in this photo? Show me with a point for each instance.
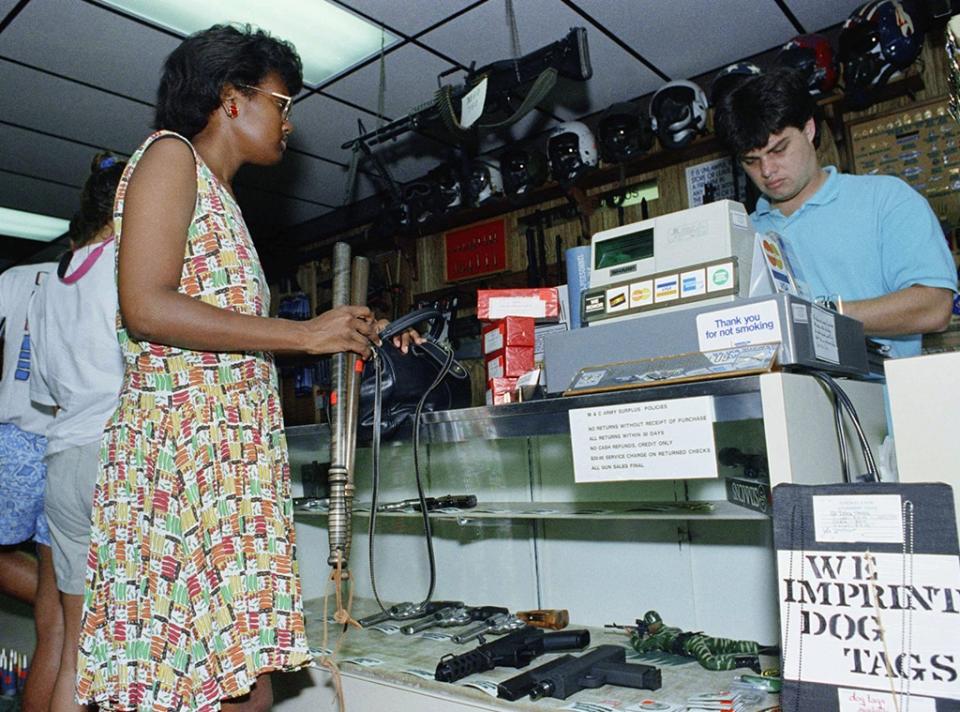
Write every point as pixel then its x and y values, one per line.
pixel 406 377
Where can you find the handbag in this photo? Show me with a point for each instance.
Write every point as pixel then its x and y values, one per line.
pixel 407 377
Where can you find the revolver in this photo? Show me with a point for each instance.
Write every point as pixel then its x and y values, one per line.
pixel 496 625
pixel 452 616
pixel 406 611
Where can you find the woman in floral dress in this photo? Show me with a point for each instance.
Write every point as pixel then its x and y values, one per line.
pixel 192 591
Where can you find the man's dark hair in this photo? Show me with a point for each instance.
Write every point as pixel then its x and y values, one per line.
pixel 196 72
pixel 760 106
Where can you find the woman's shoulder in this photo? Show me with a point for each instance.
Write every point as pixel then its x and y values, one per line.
pixel 167 143
pixel 160 158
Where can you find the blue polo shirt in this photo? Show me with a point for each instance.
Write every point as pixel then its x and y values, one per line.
pixel 863 237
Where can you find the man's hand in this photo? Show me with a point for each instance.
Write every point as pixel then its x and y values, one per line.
pixel 914 310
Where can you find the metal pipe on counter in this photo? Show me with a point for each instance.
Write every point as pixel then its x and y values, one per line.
pixel 338 518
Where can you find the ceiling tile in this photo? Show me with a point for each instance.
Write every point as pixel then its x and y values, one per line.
pixel 409 16
pixel 24 151
pixel 816 15
pixel 411 79
pixel 616 74
pixel 87 43
pixel 37 196
pixel 266 210
pixel 298 176
pixel 322 125
pixel 691 37
pixel 72 111
pixel 6 6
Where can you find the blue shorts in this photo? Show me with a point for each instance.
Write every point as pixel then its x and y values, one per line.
pixel 22 477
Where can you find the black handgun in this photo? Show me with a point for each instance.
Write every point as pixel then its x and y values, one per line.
pixel 604 666
pixel 515 649
pixel 461 501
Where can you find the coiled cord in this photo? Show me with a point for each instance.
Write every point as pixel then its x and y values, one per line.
pixel 377 418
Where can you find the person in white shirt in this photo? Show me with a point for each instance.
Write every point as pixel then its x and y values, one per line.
pixel 22 475
pixel 78 369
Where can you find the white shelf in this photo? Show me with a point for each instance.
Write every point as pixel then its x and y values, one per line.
pixel 714 510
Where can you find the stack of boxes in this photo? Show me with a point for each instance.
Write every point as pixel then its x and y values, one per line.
pixel 508 339
pixel 507 355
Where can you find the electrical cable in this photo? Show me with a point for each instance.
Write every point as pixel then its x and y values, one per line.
pixel 418 412
pixel 843 400
pixel 838 421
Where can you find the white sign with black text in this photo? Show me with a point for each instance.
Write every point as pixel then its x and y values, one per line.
pixel 665 439
pixel 874 621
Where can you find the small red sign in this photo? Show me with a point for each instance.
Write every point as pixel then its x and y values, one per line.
pixel 476 250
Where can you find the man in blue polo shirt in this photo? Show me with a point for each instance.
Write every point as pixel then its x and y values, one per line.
pixel 869 244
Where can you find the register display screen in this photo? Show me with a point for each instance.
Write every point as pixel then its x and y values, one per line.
pixel 627 248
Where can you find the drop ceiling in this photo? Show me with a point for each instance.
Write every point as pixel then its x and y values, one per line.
pixel 77 76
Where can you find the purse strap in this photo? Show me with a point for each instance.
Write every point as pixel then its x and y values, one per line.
pixel 398 326
pixel 429 347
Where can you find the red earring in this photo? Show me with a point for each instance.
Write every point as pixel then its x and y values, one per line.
pixel 234 113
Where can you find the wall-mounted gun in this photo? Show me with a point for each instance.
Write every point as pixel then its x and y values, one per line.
pixel 568 58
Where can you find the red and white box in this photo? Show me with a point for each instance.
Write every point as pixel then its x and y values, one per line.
pixel 542 304
pixel 510 331
pixel 501 390
pixel 510 362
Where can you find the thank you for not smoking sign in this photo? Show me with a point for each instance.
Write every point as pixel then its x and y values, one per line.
pixel 664 439
pixel 754 323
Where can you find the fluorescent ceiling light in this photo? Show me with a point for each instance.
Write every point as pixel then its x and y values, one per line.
pixel 328 38
pixel 17 223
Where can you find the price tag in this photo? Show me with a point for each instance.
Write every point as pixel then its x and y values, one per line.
pixel 488 686
pixel 471 107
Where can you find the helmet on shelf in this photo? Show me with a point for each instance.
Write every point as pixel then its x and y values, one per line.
pixel 623 133
pixel 813 57
pixel 878 40
pixel 728 77
pixel 485 182
pixel 679 112
pixel 572 150
pixel 447 181
pixel 522 170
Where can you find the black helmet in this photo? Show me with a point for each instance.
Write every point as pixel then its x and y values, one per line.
pixel 522 170
pixel 623 133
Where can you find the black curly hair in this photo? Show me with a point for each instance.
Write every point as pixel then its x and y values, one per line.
pixel 196 72
pixel 96 199
pixel 763 105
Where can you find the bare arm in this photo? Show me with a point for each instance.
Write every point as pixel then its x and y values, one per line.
pixel 914 310
pixel 158 209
